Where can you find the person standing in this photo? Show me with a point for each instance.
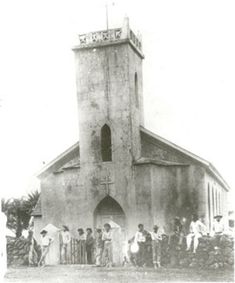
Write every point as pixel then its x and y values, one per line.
pixel 99 245
pixel 66 238
pixel 156 245
pixel 108 247
pixel 183 232
pixel 33 257
pixel 174 237
pixel 196 230
pixel 46 241
pixel 89 245
pixel 81 246
pixel 140 239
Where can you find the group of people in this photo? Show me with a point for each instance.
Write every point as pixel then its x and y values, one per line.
pixel 98 249
pixel 91 249
pixel 180 236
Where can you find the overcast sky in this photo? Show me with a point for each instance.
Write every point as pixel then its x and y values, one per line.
pixel 189 73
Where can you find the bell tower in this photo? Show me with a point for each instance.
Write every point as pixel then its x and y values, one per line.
pixel 110 108
pixel 109 92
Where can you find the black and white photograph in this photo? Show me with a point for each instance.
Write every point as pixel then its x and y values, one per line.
pixel 117 141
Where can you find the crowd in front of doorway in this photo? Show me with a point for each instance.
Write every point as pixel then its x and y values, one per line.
pixel 144 248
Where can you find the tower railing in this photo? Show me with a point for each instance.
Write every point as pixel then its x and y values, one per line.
pixel 100 36
pixel 109 36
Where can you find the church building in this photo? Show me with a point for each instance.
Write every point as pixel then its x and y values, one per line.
pixel 119 171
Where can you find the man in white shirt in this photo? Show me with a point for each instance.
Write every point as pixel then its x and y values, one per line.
pixel 218 226
pixel 45 244
pixel 156 236
pixel 196 230
pixel 66 238
pixel 108 246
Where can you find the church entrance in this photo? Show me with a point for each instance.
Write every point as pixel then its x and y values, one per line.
pixel 109 211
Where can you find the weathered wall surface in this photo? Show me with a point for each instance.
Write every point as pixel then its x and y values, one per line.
pixel 61 197
pixel 143 196
pixel 163 192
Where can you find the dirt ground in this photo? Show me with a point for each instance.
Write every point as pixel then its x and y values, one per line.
pixel 78 273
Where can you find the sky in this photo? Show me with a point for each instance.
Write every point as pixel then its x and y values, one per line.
pixel 189 72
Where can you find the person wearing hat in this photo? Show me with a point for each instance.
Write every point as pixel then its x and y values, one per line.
pixel 45 245
pixel 156 236
pixel 99 246
pixel 89 246
pixel 218 229
pixel 65 239
pixel 108 245
pixel 81 240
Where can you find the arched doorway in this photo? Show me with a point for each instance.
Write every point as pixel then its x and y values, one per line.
pixel 109 210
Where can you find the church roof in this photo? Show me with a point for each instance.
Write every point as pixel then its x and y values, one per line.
pixel 160 162
pixel 69 159
pixel 206 164
pixel 63 161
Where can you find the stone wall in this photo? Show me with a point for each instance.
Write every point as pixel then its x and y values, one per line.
pixel 210 254
pixel 18 251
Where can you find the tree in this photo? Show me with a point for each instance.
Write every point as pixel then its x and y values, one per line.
pixel 18 211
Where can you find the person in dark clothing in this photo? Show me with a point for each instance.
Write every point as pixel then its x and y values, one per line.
pixel 81 240
pixel 89 246
pixel 175 236
pixel 99 246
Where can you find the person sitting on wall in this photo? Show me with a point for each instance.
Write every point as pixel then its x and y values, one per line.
pixel 196 230
pixel 65 238
pixel 81 240
pixel 156 236
pixel 45 245
pixel 140 239
pixel 218 229
pixel 108 246
pixel 89 245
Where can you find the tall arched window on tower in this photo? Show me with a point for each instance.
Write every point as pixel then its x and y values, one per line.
pixel 136 91
pixel 106 143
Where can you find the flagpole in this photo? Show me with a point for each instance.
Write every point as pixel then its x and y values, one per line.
pixel 107 16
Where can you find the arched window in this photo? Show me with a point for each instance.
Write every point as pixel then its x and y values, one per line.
pixel 106 143
pixel 136 91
